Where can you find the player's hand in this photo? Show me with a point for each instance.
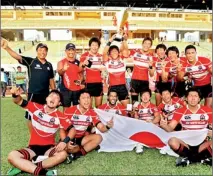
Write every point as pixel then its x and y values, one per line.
pixel 110 123
pixel 65 67
pixel 209 133
pixel 86 62
pixel 60 147
pixel 72 148
pixel 112 38
pixel 125 36
pixel 163 64
pixel 179 67
pixel 4 43
pixel 150 63
pixel 15 90
pixel 163 122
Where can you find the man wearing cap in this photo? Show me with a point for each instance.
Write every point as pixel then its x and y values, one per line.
pixel 40 71
pixel 71 76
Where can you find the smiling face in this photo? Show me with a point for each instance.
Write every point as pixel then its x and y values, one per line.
pixel 146 45
pixel 42 53
pixel 166 96
pixel 94 47
pixel 70 53
pixel 145 97
pixel 112 98
pixel 53 100
pixel 191 55
pixel 173 56
pixel 114 53
pixel 85 100
pixel 161 52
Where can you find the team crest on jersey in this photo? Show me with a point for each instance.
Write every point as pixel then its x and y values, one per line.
pixel 187 118
pixel 117 112
pixel 189 69
pixel 140 111
pixel 40 114
pixel 202 117
pixel 52 121
pixel 75 117
pixel 48 68
pixel 88 119
pixel 200 67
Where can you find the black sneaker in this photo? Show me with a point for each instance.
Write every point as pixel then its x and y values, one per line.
pixel 70 158
pixel 182 162
pixel 207 161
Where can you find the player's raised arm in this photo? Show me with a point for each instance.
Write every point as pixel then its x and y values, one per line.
pixel 106 48
pixel 4 45
pixel 16 94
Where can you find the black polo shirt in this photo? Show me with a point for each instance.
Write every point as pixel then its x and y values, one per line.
pixel 39 75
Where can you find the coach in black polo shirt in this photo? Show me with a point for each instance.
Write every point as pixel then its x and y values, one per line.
pixel 40 71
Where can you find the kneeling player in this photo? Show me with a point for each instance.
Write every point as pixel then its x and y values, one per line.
pixel 46 120
pixel 192 117
pixel 146 111
pixel 112 104
pixel 81 117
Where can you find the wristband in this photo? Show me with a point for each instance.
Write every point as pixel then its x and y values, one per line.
pixel 66 140
pixel 150 67
pixel 14 95
pixel 107 127
pixel 108 43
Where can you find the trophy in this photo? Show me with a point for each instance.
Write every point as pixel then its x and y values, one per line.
pixel 121 20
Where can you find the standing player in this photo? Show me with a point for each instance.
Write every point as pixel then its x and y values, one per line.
pixel 169 71
pixel 146 111
pixel 143 66
pixel 192 117
pixel 46 120
pixel 112 104
pixel 68 69
pixel 92 62
pixel 40 71
pixel 160 51
pixel 199 69
pixel 116 68
pixel 21 79
pixel 82 116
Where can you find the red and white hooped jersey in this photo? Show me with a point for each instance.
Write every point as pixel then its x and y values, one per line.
pixel 93 74
pixel 141 65
pixel 118 109
pixel 116 70
pixel 81 121
pixel 176 103
pixel 158 65
pixel 45 126
pixel 193 121
pixel 199 71
pixel 71 75
pixel 147 113
pixel 172 68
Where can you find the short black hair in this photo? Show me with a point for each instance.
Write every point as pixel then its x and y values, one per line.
pixel 165 88
pixel 41 45
pixel 113 47
pixel 96 40
pixel 173 48
pixel 110 90
pixel 19 67
pixel 55 91
pixel 190 47
pixel 160 46
pixel 82 91
pixel 146 90
pixel 2 69
pixel 194 89
pixel 147 38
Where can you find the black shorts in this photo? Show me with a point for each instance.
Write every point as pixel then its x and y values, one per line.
pixel 137 86
pixel 205 90
pixel 37 98
pixel 121 91
pixel 179 89
pixel 78 140
pixel 70 97
pixel 40 149
pixel 95 89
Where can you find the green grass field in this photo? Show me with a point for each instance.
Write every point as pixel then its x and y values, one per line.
pixel 14 135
